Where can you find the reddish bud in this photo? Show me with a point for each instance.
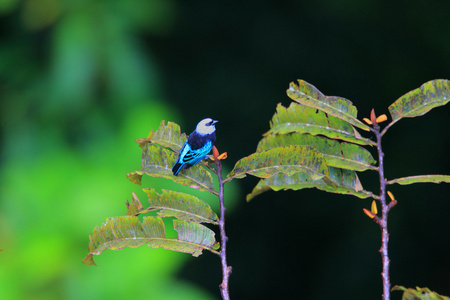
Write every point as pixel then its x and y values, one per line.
pixel 215 153
pixel 368 213
pixel 374 208
pixel 223 156
pixel 367 121
pixel 373 117
pixel 391 196
pixel 381 118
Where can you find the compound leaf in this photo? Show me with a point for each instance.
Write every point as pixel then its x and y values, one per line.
pixel 417 102
pixel 339 155
pixel 181 206
pixel 303 119
pixel 307 94
pixel 127 231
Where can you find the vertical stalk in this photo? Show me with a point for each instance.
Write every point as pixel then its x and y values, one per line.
pixel 226 270
pixel 384 217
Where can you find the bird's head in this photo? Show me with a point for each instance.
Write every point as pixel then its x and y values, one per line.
pixel 206 126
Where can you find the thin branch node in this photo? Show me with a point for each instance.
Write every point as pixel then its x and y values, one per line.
pixel 377 220
pixel 392 204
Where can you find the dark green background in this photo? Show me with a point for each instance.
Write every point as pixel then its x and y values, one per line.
pixel 80 80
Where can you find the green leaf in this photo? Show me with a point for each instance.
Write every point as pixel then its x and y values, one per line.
pixel 417 102
pixel 120 232
pixel 158 162
pixel 421 179
pixel 339 155
pixel 303 119
pixel 419 294
pixel 196 237
pixel 288 160
pixel 347 183
pixel 167 136
pixel 181 206
pixel 307 94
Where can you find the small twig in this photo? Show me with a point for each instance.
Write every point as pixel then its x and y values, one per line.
pixel 226 270
pixel 214 192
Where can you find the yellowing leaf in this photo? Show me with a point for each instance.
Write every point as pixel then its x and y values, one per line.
pixel 120 232
pixel 288 160
pixel 419 293
pixel 347 182
pixel 167 136
pixel 421 179
pixel 181 206
pixel 418 102
pixel 303 119
pixel 339 155
pixel 307 94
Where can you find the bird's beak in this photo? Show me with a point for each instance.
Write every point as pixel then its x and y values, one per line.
pixel 214 122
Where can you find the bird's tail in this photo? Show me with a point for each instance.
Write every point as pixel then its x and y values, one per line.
pixel 176 168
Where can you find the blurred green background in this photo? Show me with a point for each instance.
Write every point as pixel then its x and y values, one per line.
pixel 81 80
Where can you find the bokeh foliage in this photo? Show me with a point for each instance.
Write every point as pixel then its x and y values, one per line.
pixel 77 87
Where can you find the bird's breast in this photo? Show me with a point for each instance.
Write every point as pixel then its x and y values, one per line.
pixel 197 141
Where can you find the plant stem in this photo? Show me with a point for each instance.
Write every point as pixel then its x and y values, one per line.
pixel 226 270
pixel 384 217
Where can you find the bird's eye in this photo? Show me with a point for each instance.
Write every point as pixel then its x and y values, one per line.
pixel 209 123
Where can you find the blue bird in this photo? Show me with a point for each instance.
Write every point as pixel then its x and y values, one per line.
pixel 197 146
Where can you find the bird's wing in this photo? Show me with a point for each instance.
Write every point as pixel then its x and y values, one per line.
pixel 194 156
pixel 184 150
